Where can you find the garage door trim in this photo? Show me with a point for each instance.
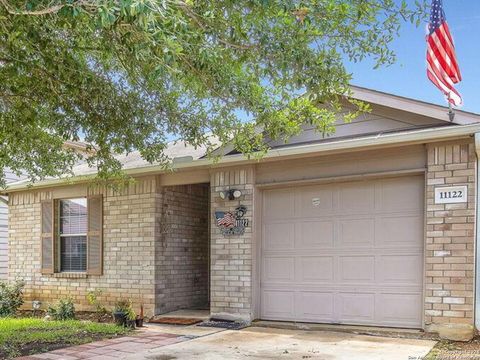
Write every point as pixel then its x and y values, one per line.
pixel 419 253
pixel 341 178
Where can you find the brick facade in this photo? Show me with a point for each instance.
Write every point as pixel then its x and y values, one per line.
pixel 156 245
pixel 450 239
pixel 231 256
pixel 128 237
pixel 182 247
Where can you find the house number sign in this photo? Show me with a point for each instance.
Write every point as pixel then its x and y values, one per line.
pixel 451 195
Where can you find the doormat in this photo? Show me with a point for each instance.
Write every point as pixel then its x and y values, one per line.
pixel 230 325
pixel 175 321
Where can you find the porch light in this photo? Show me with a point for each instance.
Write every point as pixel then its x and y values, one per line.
pixel 36 304
pixel 231 194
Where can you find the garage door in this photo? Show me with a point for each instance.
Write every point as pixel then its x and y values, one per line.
pixel 348 253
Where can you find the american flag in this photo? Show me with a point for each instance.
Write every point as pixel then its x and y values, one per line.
pixel 228 220
pixel 442 67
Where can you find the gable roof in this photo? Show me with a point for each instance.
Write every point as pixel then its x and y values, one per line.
pixel 338 146
pixel 414 106
pixel 390 114
pixel 418 122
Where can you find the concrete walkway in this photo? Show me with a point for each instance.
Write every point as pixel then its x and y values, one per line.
pixel 140 341
pixel 263 343
pixel 150 337
pixel 169 342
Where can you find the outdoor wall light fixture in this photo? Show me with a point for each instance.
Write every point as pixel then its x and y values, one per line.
pixel 36 305
pixel 231 194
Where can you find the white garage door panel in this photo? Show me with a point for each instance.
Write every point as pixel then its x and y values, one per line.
pixel 344 253
pixel 400 231
pixel 357 269
pixel 318 305
pixel 307 236
pixel 411 265
pixel 279 236
pixel 279 304
pixel 357 307
pixel 279 269
pixel 316 268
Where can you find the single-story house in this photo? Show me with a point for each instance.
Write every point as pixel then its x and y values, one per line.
pixel 374 225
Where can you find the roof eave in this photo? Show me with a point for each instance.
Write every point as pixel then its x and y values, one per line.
pixel 345 145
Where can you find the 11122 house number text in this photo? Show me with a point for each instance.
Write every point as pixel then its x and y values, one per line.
pixel 451 195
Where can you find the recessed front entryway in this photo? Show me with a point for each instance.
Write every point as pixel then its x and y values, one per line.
pixel 347 253
pixel 182 248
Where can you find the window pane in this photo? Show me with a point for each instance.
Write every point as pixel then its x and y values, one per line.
pixel 73 216
pixel 73 253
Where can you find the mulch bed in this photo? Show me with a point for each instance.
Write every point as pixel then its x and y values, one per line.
pixel 175 321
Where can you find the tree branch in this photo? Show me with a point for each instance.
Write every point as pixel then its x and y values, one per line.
pixel 195 18
pixel 51 10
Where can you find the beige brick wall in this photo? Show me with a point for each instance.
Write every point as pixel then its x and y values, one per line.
pixel 182 243
pixel 129 256
pixel 148 243
pixel 231 256
pixel 450 237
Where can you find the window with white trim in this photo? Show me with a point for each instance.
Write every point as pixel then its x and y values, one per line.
pixel 72 235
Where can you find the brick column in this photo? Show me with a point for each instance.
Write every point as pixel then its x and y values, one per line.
pixel 231 256
pixel 449 249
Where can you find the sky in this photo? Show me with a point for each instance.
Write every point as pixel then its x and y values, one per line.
pixel 407 77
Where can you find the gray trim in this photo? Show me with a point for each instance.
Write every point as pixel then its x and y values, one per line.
pixel 477 238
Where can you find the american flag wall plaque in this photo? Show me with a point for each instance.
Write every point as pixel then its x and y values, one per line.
pixel 232 222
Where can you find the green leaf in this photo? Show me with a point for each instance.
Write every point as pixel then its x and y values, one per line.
pixel 129 75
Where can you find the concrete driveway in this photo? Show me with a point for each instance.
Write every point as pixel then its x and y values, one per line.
pixel 263 343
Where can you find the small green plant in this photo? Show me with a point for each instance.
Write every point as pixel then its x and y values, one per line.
pixel 123 309
pixel 63 310
pixel 131 315
pixel 122 306
pixel 11 297
pixel 92 298
pixel 125 306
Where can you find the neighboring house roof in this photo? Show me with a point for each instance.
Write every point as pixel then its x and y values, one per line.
pixel 176 150
pixel 393 120
pixel 133 160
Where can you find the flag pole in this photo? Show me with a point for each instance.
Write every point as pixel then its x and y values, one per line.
pixel 451 113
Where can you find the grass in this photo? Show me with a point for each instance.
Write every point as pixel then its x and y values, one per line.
pixel 25 336
pixel 438 349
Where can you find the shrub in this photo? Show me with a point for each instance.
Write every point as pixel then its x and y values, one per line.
pixel 63 310
pixel 11 297
pixel 125 307
pixel 92 298
pixel 131 315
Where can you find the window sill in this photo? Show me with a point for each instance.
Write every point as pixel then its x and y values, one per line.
pixel 71 275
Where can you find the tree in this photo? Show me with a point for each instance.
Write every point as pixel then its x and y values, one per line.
pixel 129 75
